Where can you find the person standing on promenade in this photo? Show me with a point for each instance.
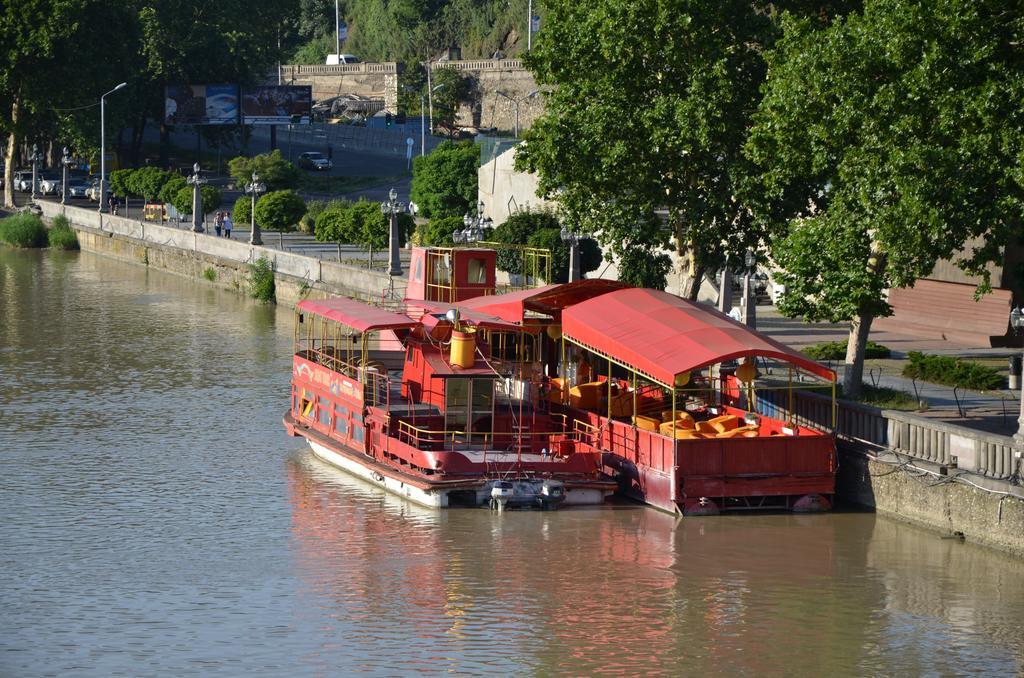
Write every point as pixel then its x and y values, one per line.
pixel 218 222
pixel 227 225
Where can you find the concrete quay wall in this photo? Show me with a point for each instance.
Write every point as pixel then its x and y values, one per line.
pixel 296 276
pixel 919 493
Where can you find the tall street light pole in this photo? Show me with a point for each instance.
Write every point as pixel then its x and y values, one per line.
pixel 337 31
pixel 197 182
pixel 572 239
pixel 430 99
pixel 423 128
pixel 255 188
pixel 516 102
pixel 103 144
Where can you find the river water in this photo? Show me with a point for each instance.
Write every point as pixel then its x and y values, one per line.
pixel 157 521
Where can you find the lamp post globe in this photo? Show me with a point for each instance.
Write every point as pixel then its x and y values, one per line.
pixel 391 209
pixel 255 188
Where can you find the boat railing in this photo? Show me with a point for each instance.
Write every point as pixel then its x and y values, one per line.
pixel 506 441
pixel 373 375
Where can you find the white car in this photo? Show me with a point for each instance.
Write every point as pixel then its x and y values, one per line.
pixel 49 185
pixel 341 59
pixel 315 161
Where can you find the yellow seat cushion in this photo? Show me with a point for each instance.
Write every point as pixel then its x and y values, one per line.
pixel 726 422
pixel 706 427
pixel 586 396
pixel 688 434
pixel 678 425
pixel 646 423
pixel 744 431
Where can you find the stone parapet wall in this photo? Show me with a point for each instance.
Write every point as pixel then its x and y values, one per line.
pixel 191 254
pixel 371 80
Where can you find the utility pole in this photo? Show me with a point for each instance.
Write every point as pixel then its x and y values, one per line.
pixel 529 25
pixel 337 31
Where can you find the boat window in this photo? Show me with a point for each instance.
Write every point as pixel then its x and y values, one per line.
pixel 325 411
pixel 341 422
pixel 306 404
pixel 442 270
pixel 418 271
pixel 477 271
pixel 358 433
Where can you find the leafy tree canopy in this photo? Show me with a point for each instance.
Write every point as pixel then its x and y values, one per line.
pixel 183 199
pixel 273 169
pixel 280 210
pixel 444 183
pixel 647 108
pixel 885 141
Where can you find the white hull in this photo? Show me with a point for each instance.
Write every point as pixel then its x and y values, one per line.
pixel 580 496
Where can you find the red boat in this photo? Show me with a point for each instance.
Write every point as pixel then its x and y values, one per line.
pixel 554 395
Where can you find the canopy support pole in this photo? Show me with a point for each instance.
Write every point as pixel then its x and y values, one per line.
pixel 609 391
pixel 634 399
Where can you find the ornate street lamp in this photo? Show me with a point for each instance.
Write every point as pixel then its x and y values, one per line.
pixel 572 239
pixel 254 188
pixel 475 227
pixel 197 182
pixel 749 309
pixel 65 162
pixel 1017 322
pixel 36 157
pixel 391 209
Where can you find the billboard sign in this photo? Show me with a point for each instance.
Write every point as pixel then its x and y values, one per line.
pixel 201 105
pixel 277 105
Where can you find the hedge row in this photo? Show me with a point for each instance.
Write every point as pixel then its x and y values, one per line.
pixel 940 369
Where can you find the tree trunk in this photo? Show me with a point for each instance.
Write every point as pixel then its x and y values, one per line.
pixel 138 130
pixel 12 148
pixel 693 285
pixel 860 328
pixel 853 368
pixel 165 144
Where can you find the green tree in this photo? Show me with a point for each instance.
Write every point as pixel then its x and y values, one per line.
pixel 335 224
pixel 280 210
pixel 183 199
pixel 451 88
pixel 148 181
pixel 171 188
pixel 551 239
pixel 648 108
pixel 444 183
pixel 885 141
pixel 273 169
pixel 122 182
pixel 438 232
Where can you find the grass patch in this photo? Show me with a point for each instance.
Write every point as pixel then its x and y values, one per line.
pixel 326 184
pixel 261 281
pixel 836 350
pixel 882 397
pixel 210 274
pixel 61 236
pixel 23 230
pixel 949 371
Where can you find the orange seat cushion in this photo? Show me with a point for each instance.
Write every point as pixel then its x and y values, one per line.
pixel 688 434
pixel 737 432
pixel 706 427
pixel 678 425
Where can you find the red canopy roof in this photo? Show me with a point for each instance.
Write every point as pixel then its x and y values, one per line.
pixel 549 299
pixel 662 335
pixel 356 314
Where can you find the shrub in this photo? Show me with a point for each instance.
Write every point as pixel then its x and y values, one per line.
pixel 280 210
pixel 640 267
pixel 836 350
pixel 359 223
pixel 949 371
pixel 261 280
pixel 23 230
pixel 273 170
pixel 210 274
pixel 241 213
pixel 61 236
pixel 551 240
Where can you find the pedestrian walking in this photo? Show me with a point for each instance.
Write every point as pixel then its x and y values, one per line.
pixel 218 222
pixel 112 204
pixel 227 225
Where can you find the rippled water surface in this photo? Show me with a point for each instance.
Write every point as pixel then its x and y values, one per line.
pixel 157 521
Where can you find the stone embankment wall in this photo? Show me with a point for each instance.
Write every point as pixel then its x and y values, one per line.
pixel 181 251
pixel 949 478
pixel 374 81
pixel 488 108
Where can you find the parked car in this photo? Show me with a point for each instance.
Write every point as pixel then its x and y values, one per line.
pixel 23 181
pixel 78 186
pixel 49 184
pixel 313 160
